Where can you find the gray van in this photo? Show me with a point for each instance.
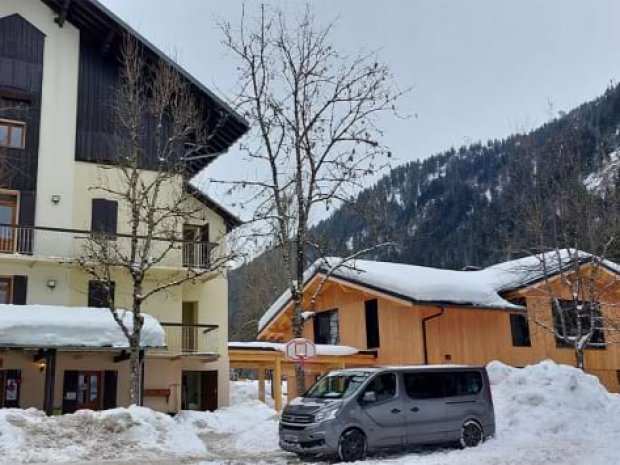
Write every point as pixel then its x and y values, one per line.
pixel 347 413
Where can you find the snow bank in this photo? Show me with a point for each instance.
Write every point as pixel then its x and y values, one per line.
pixel 57 326
pixel 245 429
pixel 118 434
pixel 247 390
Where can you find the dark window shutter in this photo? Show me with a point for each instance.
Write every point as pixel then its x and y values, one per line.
pixel 104 216
pixel 70 392
pixel 110 382
pixel 20 289
pixel 26 208
pixel 204 247
pixel 372 324
pixel 12 388
pixel 98 294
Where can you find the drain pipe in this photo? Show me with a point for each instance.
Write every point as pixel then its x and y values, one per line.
pixel 424 321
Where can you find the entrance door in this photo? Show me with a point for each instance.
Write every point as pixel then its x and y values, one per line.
pixel 8 217
pixel 89 390
pixel 209 390
pixel 199 390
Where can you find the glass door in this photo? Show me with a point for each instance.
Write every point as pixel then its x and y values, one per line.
pixel 8 217
pixel 89 390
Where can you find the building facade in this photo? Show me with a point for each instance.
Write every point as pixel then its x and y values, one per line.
pixel 408 314
pixel 59 63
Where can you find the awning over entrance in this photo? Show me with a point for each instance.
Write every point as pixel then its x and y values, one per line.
pixel 56 327
pixel 262 356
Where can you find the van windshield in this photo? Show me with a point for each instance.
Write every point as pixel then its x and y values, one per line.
pixel 337 385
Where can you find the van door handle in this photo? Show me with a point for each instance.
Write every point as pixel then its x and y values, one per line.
pixel 415 409
pixel 395 410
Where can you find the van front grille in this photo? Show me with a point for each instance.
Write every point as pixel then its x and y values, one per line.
pixel 302 418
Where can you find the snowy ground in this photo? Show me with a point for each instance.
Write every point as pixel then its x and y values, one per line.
pixel 546 414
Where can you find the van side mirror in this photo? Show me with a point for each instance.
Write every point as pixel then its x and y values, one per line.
pixel 369 397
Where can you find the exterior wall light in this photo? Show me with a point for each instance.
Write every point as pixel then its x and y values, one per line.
pixel 51 283
pixel 55 199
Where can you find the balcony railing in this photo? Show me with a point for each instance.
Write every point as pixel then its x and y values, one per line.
pixel 70 243
pixel 191 339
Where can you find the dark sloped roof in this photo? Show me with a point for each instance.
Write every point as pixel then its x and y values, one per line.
pixel 98 24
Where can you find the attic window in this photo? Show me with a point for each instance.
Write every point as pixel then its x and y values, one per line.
pixel 12 134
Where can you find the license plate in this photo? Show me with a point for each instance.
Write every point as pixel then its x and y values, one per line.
pixel 290 438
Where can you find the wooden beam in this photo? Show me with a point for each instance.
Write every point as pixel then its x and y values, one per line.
pixel 62 14
pixel 277 385
pixel 124 355
pixel 261 384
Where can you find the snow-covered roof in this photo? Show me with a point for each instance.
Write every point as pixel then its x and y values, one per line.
pixel 321 349
pixel 56 326
pixel 480 289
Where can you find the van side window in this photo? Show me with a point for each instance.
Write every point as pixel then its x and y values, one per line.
pixel 424 385
pixel 464 383
pixel 384 386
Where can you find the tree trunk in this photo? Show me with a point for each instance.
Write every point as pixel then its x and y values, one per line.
pixel 134 371
pixel 579 359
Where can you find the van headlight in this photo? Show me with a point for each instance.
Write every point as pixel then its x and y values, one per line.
pixel 327 414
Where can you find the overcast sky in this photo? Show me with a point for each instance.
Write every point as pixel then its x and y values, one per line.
pixel 480 69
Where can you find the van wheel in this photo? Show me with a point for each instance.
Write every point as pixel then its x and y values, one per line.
pixel 471 434
pixel 352 446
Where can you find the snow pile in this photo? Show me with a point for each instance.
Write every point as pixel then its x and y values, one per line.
pixel 241 430
pixel 57 326
pixel 243 390
pixel 118 434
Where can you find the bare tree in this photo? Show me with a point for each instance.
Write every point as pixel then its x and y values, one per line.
pixel 154 204
pixel 571 226
pixel 315 111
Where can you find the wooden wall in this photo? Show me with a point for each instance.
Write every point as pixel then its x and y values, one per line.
pixel 461 335
pixel 21 80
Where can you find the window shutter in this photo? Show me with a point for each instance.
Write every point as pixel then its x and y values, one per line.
pixel 20 289
pixel 110 382
pixel 70 391
pixel 26 208
pixel 205 258
pixel 104 216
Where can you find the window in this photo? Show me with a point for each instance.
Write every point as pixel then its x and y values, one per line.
pixel 104 216
pixel 569 315
pixel 12 134
pixel 384 387
pixel 8 219
pixel 196 246
pixel 520 329
pixel 424 385
pixel 98 295
pixel 326 328
pixel 372 324
pixel 462 383
pixel 5 290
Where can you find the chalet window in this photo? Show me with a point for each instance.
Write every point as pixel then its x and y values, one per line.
pixel 372 324
pixel 8 219
pixel 196 246
pixel 12 134
pixel 104 216
pixel 520 330
pixel 98 295
pixel 588 314
pixel 326 329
